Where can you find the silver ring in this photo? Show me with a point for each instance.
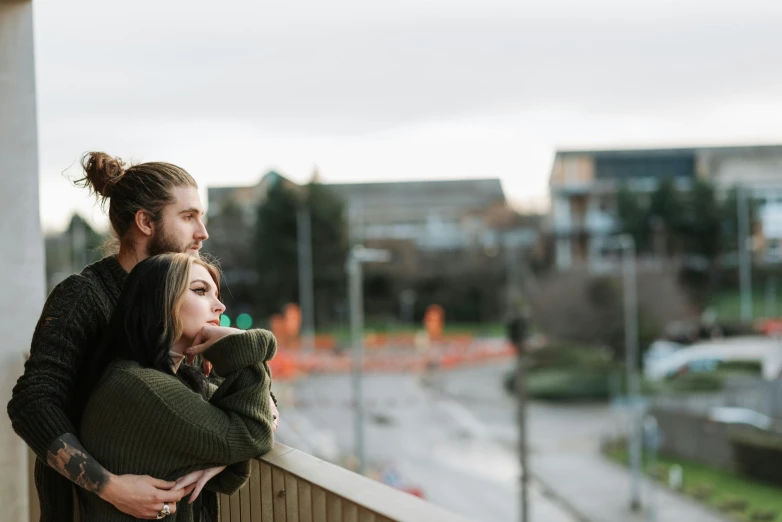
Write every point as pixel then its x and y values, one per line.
pixel 163 513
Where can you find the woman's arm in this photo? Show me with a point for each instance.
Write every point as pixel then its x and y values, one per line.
pixel 232 427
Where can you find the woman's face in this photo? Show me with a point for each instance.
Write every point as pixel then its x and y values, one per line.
pixel 200 306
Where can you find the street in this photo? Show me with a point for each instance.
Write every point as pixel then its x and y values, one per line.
pixel 453 436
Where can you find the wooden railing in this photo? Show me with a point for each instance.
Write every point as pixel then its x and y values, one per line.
pixel 292 486
pixel 288 485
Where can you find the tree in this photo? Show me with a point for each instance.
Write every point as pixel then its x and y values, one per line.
pixel 276 248
pixel 633 217
pixel 664 215
pixel 329 249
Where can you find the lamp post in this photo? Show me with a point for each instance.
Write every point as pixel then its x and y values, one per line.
pixel 358 255
pixel 306 292
pixel 626 244
pixel 745 263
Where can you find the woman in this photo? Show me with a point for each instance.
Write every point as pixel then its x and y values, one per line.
pixel 151 413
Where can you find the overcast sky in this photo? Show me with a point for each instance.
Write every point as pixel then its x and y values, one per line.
pixel 410 89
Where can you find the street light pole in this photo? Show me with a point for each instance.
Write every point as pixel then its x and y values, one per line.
pixel 516 314
pixel 357 255
pixel 627 245
pixel 745 263
pixel 355 277
pixel 306 292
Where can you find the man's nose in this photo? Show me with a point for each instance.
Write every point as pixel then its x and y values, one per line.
pixel 201 233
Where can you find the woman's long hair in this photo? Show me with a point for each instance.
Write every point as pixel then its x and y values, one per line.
pixel 146 322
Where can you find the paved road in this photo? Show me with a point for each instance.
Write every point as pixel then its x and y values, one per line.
pixel 464 462
pixel 564 447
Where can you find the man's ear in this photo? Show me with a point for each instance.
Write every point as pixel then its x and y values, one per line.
pixel 144 223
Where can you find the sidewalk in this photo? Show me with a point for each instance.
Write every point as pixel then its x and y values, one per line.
pixel 597 490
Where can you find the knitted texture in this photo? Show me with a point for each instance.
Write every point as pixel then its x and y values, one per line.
pixel 143 421
pixel 45 404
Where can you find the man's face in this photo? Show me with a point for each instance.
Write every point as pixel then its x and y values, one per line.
pixel 180 227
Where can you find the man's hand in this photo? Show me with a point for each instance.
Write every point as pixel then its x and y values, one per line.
pixel 141 496
pixel 196 481
pixel 206 337
pixel 275 414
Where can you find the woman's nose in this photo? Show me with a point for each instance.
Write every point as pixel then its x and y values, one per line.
pixel 220 307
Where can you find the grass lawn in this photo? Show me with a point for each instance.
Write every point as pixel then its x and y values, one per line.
pixel 725 487
pixel 727 304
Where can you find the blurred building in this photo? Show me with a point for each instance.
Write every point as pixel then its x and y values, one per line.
pixel 584 185
pixel 69 251
pixel 437 231
pixel 442 215
pixel 434 215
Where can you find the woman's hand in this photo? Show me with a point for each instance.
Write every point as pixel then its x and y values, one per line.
pixel 199 478
pixel 206 337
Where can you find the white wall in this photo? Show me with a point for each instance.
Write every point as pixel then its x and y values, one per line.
pixel 22 285
pixel 751 168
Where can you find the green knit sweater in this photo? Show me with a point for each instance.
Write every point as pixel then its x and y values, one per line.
pixel 143 421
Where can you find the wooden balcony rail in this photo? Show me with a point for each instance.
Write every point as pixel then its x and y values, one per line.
pixel 288 485
pixel 292 486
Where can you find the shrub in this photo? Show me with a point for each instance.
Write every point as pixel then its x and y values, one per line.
pixel 583 309
pixel 763 516
pixel 695 382
pixel 569 384
pixel 733 504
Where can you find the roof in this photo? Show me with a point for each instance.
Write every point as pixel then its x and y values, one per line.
pixel 672 151
pixel 480 192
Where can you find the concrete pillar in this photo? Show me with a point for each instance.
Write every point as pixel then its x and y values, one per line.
pixel 22 273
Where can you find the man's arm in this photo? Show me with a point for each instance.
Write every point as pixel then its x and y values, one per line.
pixel 71 460
pixel 69 327
pixel 68 330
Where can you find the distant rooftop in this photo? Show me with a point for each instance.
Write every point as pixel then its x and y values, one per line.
pixel 484 190
pixel 671 151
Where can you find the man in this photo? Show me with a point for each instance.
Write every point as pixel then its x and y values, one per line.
pixel 153 208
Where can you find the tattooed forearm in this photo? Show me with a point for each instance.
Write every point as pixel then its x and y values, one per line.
pixel 71 460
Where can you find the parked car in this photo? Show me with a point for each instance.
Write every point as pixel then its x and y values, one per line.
pixel 710 355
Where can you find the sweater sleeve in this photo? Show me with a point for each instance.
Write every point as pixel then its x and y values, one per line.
pixel 68 327
pixel 235 425
pixel 231 479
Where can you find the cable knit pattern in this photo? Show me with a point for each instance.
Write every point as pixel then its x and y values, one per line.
pixel 44 404
pixel 142 421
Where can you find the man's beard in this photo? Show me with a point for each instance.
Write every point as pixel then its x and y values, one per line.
pixel 164 243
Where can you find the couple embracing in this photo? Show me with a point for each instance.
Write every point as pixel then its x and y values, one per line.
pixel 133 396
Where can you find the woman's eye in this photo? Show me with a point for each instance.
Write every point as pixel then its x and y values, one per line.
pixel 200 291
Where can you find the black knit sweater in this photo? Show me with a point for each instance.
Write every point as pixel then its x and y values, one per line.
pixel 46 401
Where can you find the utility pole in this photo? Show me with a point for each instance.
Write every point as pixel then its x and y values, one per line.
pixel 521 400
pixel 306 291
pixel 745 261
pixel 626 244
pixel 358 255
pixel 631 361
pixel 517 329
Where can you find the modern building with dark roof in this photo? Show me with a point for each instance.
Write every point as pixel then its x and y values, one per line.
pixel 583 186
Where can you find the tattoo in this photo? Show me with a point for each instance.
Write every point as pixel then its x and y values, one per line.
pixel 71 460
